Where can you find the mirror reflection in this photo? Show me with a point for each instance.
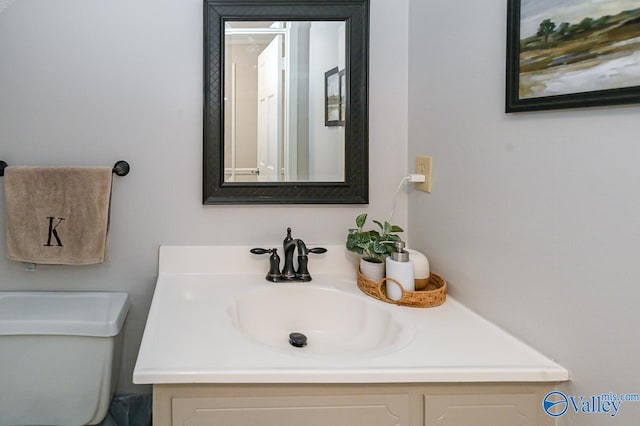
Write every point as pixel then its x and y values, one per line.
pixel 285 101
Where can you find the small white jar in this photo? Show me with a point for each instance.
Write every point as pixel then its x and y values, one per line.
pixel 421 269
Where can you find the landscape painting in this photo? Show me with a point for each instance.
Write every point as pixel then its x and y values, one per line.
pixel 572 53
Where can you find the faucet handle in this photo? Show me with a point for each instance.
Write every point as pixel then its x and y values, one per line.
pixel 318 250
pixel 274 273
pixel 303 272
pixel 261 250
pixel 303 250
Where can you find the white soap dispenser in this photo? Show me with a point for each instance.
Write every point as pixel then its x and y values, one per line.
pixel 400 268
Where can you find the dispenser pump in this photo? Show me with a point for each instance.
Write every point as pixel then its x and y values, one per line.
pixel 399 254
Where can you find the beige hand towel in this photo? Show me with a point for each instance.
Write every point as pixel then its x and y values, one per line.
pixel 58 215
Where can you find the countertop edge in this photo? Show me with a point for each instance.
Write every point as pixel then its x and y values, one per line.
pixel 435 375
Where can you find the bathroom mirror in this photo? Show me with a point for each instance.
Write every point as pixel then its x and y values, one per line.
pixel 286 110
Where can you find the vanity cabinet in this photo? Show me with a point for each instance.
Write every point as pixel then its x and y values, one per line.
pixel 473 405
pixel 351 405
pixel 370 410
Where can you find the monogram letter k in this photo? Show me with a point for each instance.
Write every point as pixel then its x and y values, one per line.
pixel 53 232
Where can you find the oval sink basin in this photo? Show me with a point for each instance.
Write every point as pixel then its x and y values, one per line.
pixel 333 321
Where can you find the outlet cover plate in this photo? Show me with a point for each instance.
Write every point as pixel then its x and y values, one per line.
pixel 423 166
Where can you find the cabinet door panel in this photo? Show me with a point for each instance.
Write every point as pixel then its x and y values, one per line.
pixel 348 410
pixel 481 410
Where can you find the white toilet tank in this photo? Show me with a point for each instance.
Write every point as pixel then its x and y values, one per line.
pixel 59 356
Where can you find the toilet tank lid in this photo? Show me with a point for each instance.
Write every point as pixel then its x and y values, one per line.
pixel 99 314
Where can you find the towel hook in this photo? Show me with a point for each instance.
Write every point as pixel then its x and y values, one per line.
pixel 121 168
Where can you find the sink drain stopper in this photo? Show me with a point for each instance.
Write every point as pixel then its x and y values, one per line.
pixel 297 340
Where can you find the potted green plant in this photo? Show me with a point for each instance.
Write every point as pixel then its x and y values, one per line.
pixel 373 245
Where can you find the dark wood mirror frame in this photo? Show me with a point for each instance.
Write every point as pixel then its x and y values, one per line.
pixel 355 188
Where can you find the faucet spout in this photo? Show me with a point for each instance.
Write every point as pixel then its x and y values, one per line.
pixel 289 246
pixel 302 248
pixel 303 260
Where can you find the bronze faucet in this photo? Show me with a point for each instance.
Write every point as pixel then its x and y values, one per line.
pixel 289 272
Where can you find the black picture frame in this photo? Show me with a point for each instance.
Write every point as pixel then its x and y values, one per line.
pixel 343 97
pixel 332 97
pixel 355 187
pixel 542 56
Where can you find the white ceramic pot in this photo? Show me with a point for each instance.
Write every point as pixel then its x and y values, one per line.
pixel 372 270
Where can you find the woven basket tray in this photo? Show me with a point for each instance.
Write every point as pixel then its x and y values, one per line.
pixel 429 292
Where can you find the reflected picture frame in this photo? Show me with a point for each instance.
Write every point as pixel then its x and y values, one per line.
pixel 343 96
pixel 332 97
pixel 557 61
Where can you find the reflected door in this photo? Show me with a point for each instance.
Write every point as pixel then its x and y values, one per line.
pixel 270 111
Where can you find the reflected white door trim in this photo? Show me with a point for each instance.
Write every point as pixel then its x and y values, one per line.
pixel 289 165
pixel 270 123
pixel 233 121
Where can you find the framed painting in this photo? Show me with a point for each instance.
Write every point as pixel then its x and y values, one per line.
pixel 332 97
pixel 572 54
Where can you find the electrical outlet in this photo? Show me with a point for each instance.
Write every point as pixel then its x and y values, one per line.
pixel 423 166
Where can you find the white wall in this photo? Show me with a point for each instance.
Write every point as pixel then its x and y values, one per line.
pixel 89 82
pixel 534 218
pixel 326 144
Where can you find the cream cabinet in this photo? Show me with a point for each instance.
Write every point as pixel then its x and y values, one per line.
pixel 351 405
pixel 370 410
pixel 486 405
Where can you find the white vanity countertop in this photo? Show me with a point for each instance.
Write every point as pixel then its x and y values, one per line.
pixel 190 338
